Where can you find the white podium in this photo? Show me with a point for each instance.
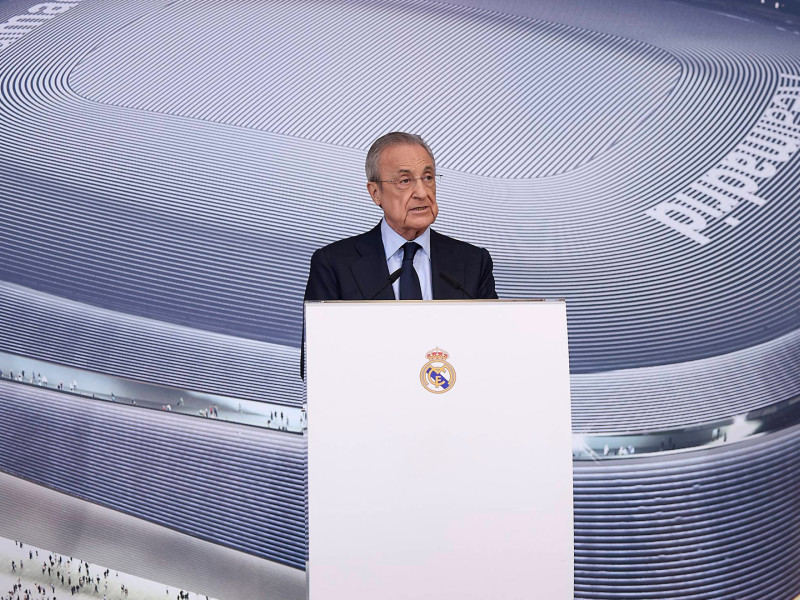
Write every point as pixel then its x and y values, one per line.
pixel 439 451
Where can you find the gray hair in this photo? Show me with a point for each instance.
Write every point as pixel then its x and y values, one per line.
pixel 396 138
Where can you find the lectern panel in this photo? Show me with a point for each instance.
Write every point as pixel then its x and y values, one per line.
pixel 425 477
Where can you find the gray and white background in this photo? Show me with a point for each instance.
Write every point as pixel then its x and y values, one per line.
pixel 167 169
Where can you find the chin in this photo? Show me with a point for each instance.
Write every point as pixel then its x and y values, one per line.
pixel 421 224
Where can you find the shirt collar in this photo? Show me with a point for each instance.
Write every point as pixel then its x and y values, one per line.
pixel 393 241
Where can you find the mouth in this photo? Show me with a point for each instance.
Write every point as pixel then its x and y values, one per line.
pixel 419 209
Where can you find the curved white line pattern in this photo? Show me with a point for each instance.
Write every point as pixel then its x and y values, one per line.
pixel 144 204
pixel 711 524
pixel 290 70
pixel 686 394
pixel 239 486
pixel 717 523
pixel 633 400
pixel 210 226
pixel 64 332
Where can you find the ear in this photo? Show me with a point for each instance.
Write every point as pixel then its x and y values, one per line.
pixel 374 192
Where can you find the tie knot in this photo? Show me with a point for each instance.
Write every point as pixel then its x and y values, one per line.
pixel 409 250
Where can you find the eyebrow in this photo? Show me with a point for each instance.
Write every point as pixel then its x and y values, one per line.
pixel 404 171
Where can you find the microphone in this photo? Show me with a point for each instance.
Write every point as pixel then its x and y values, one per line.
pixel 392 278
pixel 455 284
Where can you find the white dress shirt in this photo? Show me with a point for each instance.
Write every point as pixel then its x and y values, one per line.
pixel 393 247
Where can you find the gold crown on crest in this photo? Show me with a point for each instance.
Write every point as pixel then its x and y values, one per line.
pixel 436 354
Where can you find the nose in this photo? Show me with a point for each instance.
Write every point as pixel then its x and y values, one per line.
pixel 417 186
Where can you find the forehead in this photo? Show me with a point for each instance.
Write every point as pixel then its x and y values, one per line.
pixel 405 157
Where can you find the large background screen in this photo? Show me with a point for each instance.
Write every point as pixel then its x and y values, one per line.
pixel 167 169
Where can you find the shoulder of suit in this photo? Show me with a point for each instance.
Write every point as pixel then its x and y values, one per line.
pixel 457 245
pixel 347 246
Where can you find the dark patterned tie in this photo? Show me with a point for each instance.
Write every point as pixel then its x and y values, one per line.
pixel 409 280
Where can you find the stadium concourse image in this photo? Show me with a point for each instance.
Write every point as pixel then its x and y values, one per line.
pixel 167 169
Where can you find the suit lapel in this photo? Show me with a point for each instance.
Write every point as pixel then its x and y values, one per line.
pixel 369 269
pixel 444 259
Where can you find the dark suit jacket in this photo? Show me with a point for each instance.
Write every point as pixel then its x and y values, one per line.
pixel 355 269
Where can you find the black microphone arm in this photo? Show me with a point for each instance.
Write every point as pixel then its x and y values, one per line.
pixel 455 284
pixel 392 278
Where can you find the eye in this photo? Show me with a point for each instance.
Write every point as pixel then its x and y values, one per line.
pixel 404 180
pixel 428 178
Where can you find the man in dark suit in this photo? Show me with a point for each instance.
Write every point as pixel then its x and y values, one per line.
pixel 401 179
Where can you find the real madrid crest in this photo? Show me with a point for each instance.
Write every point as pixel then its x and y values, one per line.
pixel 437 375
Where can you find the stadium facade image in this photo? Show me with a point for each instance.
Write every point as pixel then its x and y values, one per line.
pixel 167 169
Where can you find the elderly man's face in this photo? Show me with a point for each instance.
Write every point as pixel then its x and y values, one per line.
pixel 407 211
